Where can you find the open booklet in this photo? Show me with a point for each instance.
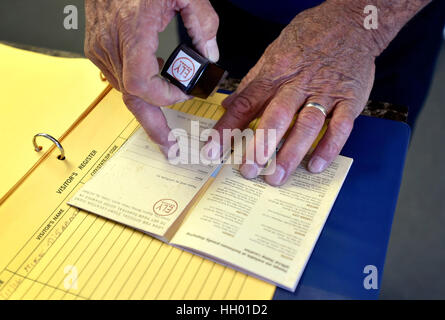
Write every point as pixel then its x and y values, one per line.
pixel 268 232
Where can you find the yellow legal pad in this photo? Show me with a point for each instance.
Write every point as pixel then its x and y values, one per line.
pixel 53 251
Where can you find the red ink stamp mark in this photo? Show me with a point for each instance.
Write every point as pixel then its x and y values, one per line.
pixel 183 69
pixel 165 207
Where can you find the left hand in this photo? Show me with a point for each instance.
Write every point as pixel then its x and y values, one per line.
pixel 121 38
pixel 322 56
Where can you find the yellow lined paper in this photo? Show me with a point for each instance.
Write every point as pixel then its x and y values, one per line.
pixel 111 261
pixel 39 93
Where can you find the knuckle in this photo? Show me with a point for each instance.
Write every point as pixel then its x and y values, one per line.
pixel 215 18
pixel 215 21
pixel 289 161
pixel 331 149
pixel 133 103
pixel 310 122
pixel 342 126
pixel 242 107
pixel 134 86
pixel 210 23
pixel 245 102
pixel 281 116
pixel 283 112
pixel 262 85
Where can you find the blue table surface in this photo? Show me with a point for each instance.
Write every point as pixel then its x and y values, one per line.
pixel 357 231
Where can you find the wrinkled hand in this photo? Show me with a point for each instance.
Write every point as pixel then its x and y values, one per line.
pixel 322 57
pixel 122 39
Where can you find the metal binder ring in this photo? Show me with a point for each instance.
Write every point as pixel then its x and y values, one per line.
pixel 37 148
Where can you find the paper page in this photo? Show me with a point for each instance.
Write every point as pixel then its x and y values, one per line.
pixel 151 192
pixel 267 231
pixel 39 93
pixel 50 250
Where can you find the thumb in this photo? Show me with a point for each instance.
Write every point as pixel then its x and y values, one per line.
pixel 201 22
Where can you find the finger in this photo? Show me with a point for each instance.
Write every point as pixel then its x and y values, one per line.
pixel 307 126
pixel 152 120
pixel 277 116
pixel 201 22
pixel 140 67
pixel 242 111
pixel 338 131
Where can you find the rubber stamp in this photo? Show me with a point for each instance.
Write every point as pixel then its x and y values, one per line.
pixel 192 73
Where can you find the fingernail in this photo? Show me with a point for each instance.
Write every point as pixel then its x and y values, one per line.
pixel 317 164
pixel 277 177
pixel 212 50
pixel 249 171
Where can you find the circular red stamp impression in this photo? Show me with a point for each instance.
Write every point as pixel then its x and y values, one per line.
pixel 183 69
pixel 165 207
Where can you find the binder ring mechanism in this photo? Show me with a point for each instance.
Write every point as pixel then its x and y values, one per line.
pixel 37 148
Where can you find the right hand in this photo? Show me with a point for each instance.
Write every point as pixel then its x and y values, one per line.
pixel 122 38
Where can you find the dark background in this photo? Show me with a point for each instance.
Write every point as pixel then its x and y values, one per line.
pixel 416 255
pixel 40 23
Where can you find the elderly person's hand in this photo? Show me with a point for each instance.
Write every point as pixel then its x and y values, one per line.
pixel 122 39
pixel 324 56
